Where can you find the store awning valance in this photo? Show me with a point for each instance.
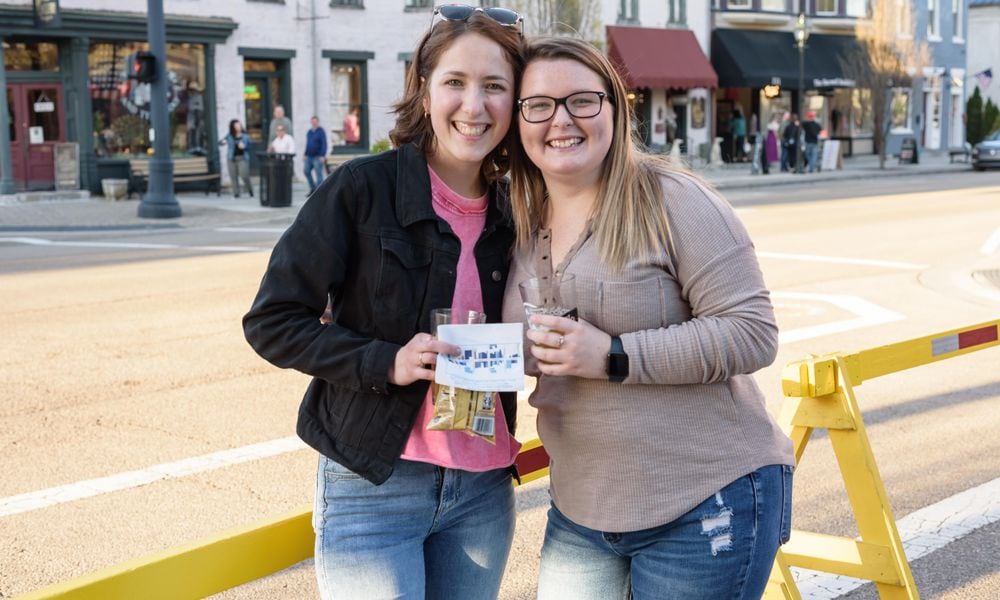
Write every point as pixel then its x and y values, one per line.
pixel 751 58
pixel 659 58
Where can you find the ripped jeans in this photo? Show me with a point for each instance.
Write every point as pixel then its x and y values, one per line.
pixel 723 548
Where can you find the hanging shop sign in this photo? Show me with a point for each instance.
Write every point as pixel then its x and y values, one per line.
pixel 43 104
pixel 47 13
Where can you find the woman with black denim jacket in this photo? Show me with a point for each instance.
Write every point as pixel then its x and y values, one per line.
pixel 402 511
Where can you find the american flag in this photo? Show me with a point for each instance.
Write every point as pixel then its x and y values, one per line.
pixel 984 79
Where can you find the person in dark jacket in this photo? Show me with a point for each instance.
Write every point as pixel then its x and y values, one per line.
pixel 238 157
pixel 315 153
pixel 402 511
pixel 810 135
pixel 790 141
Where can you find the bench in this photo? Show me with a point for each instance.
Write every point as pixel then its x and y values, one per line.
pixel 955 153
pixel 333 161
pixel 194 168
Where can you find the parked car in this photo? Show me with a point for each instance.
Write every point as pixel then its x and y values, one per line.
pixel 987 152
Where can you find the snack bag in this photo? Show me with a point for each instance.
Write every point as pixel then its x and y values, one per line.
pixel 456 409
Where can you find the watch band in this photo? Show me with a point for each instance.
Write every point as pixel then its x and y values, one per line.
pixel 617 361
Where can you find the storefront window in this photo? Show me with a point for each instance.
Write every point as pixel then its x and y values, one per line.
pixel 121 106
pixel 775 107
pixel 30 56
pixel 774 5
pixel 900 111
pixel 347 111
pixel 862 122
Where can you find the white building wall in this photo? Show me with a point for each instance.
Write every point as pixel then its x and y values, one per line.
pixel 983 50
pixel 382 27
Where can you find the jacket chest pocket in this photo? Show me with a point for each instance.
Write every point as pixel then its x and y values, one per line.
pixel 404 270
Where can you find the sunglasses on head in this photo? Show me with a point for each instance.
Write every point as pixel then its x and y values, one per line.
pixel 462 12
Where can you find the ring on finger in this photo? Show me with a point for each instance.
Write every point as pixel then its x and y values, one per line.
pixel 562 340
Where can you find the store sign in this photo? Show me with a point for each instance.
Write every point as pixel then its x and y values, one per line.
pixel 251 92
pixel 44 106
pixel 36 135
pixel 838 82
pixel 46 13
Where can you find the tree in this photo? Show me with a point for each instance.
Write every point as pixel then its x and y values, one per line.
pixel 889 57
pixel 578 18
pixel 974 118
pixel 991 118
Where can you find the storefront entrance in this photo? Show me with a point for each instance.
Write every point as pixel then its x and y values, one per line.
pixel 37 123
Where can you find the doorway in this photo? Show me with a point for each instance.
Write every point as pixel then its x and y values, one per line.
pixel 264 87
pixel 37 124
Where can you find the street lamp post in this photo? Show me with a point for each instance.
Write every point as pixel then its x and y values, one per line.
pixel 159 201
pixel 801 35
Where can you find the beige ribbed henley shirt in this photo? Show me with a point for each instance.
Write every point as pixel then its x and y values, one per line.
pixel 695 323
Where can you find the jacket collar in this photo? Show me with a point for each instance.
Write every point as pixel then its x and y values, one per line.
pixel 413 191
pixel 413 186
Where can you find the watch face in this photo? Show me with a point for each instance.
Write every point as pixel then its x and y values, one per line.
pixel 618 365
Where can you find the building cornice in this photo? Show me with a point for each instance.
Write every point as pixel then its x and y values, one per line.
pixel 115 25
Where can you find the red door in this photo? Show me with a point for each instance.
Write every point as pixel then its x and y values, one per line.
pixel 37 123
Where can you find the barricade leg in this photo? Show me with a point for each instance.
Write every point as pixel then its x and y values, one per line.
pixel 877 555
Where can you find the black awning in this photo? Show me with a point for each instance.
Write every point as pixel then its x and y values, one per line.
pixel 751 58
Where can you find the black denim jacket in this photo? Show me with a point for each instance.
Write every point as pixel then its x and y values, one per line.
pixel 370 239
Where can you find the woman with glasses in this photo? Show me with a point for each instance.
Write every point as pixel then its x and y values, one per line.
pixel 402 511
pixel 668 477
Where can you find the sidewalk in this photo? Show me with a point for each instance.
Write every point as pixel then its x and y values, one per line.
pixel 737 176
pixel 52 211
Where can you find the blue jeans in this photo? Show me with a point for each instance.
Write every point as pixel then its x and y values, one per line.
pixel 315 164
pixel 427 532
pixel 723 548
pixel 812 155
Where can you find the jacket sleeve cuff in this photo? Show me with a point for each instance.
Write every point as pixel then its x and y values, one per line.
pixel 375 369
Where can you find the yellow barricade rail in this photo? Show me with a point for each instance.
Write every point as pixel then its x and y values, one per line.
pixel 822 389
pixel 225 560
pixel 823 392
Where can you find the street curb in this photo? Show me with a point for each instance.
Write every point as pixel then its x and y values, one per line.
pixel 759 181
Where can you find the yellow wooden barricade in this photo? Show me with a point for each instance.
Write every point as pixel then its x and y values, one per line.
pixel 226 560
pixel 823 392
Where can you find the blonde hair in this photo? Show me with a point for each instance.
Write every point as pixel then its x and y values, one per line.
pixel 630 218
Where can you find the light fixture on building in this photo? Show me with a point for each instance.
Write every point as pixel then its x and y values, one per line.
pixel 772 91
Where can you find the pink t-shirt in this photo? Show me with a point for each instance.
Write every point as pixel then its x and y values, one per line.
pixel 457 449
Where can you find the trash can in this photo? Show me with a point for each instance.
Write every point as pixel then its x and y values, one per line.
pixel 275 178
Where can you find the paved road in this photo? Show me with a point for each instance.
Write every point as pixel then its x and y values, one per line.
pixel 114 363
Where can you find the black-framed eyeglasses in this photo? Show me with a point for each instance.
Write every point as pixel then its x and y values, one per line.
pixel 582 105
pixel 462 12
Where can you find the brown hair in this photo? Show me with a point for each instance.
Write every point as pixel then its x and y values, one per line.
pixel 412 126
pixel 630 218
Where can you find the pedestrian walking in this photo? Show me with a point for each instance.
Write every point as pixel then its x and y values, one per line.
pixel 810 133
pixel 403 511
pixel 315 154
pixel 668 479
pixel 238 157
pixel 738 124
pixel 790 141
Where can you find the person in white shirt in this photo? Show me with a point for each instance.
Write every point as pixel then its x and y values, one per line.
pixel 282 143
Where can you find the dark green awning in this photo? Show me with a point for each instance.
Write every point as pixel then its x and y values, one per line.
pixel 751 58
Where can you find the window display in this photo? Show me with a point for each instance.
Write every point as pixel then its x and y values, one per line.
pixel 121 106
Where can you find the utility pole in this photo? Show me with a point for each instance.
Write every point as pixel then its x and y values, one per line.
pixel 7 185
pixel 159 201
